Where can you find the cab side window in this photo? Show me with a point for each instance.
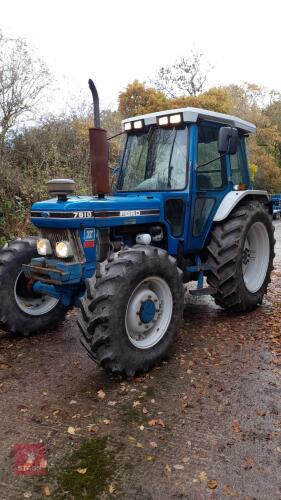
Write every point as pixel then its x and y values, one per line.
pixel 237 165
pixel 212 176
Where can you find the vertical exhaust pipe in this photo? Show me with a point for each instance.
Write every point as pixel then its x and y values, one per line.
pixel 98 150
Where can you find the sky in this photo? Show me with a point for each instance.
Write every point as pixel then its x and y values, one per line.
pixel 117 41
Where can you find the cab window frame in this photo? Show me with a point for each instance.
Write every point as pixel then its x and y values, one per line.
pixel 223 161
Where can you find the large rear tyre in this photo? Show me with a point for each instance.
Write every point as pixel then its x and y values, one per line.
pixel 132 310
pixel 21 310
pixel 241 252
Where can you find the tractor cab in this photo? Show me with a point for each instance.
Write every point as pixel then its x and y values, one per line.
pixel 189 158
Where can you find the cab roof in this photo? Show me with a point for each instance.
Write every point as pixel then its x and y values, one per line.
pixel 193 115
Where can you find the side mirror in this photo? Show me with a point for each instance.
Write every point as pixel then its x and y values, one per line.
pixel 228 141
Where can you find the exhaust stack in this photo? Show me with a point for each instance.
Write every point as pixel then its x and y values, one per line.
pixel 98 150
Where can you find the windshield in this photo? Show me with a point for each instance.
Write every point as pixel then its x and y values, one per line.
pixel 155 160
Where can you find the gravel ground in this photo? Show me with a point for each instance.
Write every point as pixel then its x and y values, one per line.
pixel 205 424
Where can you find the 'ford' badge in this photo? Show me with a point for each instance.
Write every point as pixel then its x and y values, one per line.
pixel 45 214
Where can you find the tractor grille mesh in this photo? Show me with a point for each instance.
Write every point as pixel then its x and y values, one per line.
pixel 72 235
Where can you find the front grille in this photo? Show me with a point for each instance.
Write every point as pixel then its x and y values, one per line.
pixel 72 235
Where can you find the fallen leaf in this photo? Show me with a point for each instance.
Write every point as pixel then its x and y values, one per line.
pixel 202 476
pixel 93 428
pixel 71 430
pixel 229 491
pixel 168 468
pixel 236 426
pixel 101 394
pixel 156 421
pixel 136 403
pixel 261 413
pixel 111 489
pixel 278 449
pixel 46 491
pixel 27 494
pixel 132 439
pixel 212 484
pixel 112 403
pixel 141 427
pixel 248 463
pixel 106 421
pixel 73 402
pixel 178 467
pixel 139 379
pixel 4 366
pixel 139 445
pixel 144 410
pixel 82 471
pixel 56 412
pixel 149 458
pixel 153 444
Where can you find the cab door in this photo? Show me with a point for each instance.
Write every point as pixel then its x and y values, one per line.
pixel 209 184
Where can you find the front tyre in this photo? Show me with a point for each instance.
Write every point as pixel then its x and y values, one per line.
pixel 21 310
pixel 132 310
pixel 241 252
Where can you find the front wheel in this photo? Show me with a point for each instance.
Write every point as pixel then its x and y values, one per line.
pixel 22 310
pixel 241 252
pixel 132 310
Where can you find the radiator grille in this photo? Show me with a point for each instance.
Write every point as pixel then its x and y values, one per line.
pixel 72 235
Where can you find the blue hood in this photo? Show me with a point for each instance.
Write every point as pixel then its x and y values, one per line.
pixel 90 211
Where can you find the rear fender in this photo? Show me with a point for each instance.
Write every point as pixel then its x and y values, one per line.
pixel 233 198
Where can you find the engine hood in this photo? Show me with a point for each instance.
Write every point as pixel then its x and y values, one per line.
pixel 90 211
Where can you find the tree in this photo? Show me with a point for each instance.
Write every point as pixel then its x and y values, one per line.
pixel 23 78
pixel 138 99
pixel 187 76
pixel 215 99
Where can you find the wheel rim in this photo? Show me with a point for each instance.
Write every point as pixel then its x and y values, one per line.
pixel 29 302
pixel 255 259
pixel 149 312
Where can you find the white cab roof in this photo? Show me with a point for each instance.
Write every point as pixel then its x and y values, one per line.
pixel 193 115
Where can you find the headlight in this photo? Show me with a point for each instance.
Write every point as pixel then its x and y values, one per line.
pixel 169 120
pixel 163 120
pixel 64 250
pixel 138 124
pixel 174 119
pixel 44 247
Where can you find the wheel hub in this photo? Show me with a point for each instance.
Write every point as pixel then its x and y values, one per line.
pixel 147 311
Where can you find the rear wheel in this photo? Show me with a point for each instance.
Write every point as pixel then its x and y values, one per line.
pixel 132 310
pixel 22 310
pixel 241 252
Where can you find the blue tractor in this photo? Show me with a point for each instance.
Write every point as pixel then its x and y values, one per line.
pixel 182 208
pixel 276 205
